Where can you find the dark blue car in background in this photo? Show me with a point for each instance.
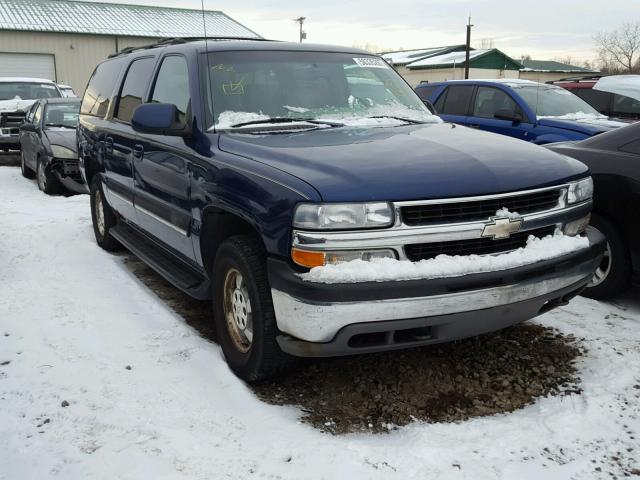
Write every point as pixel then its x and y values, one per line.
pixel 234 167
pixel 531 111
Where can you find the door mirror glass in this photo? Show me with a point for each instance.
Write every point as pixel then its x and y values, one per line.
pixel 29 127
pixel 509 115
pixel 158 119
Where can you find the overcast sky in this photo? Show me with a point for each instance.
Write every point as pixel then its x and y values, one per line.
pixel 543 29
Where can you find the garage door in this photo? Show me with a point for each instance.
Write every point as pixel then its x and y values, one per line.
pixel 27 65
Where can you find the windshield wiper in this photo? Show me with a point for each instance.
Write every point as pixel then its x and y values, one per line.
pixel 402 119
pixel 287 120
pixel 60 125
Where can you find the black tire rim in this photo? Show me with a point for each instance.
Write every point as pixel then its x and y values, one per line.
pixel 603 270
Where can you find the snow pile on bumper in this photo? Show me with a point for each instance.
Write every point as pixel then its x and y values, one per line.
pixel 386 269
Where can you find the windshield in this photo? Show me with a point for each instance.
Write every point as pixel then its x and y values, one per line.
pixel 27 91
pixel 61 115
pixel 344 88
pixel 552 101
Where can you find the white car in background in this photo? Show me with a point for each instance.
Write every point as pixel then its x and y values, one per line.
pixel 67 91
pixel 17 95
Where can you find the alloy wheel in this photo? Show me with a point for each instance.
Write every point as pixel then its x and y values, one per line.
pixel 603 270
pixel 237 310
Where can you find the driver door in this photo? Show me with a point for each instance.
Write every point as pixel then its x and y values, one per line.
pixel 490 100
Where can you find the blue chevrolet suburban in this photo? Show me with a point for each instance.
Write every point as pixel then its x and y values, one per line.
pixel 234 167
pixel 531 111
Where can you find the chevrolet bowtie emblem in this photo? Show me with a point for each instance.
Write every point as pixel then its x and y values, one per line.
pixel 501 228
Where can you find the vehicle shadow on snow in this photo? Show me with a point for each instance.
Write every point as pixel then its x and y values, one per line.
pixel 494 373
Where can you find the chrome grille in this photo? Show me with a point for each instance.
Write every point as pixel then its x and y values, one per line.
pixel 468 211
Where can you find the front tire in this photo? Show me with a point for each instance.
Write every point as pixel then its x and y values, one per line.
pixel 46 179
pixel 243 311
pixel 613 275
pixel 103 218
pixel 26 171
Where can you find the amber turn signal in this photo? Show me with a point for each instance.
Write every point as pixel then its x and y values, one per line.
pixel 307 258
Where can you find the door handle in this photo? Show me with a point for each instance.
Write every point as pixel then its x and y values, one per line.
pixel 108 145
pixel 138 151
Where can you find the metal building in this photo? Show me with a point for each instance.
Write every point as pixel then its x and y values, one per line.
pixel 63 40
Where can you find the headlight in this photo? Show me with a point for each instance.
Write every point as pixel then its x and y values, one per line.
pixel 580 191
pixel 59 151
pixel 310 259
pixel 342 216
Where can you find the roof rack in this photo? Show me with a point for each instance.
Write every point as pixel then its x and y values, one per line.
pixel 181 40
pixel 578 78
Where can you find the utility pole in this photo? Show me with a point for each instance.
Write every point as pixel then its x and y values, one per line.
pixel 467 49
pixel 301 20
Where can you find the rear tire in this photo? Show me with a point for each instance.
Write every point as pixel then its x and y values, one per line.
pixel 103 218
pixel 46 179
pixel 26 171
pixel 614 272
pixel 243 311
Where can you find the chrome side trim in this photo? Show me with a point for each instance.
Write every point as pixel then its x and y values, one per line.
pixel 319 322
pixel 118 196
pixel 401 235
pixel 161 220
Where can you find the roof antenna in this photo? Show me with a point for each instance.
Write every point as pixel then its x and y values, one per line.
pixel 206 48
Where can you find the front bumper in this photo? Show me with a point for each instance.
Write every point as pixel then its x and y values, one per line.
pixel 67 170
pixel 341 319
pixel 9 137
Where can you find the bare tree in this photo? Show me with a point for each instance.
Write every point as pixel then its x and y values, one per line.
pixel 486 43
pixel 525 56
pixel 620 48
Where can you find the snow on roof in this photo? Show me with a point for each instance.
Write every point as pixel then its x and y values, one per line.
pixel 25 80
pixel 552 66
pixel 448 58
pixel 115 19
pixel 403 57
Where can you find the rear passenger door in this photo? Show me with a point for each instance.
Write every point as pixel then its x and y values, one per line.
pixel 487 102
pixel 162 181
pixel 454 103
pixel 120 139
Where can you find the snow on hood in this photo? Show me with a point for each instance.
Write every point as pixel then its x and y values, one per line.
pixel 595 119
pixel 15 105
pixel 626 85
pixel 387 269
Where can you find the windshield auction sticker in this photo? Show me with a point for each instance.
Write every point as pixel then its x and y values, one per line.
pixel 371 62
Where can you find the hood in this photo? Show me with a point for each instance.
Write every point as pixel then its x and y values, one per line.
pixel 406 163
pixel 64 137
pixel 587 124
pixel 15 105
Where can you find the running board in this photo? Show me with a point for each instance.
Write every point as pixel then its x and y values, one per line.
pixel 176 271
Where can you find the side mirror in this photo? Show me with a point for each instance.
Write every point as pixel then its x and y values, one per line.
pixel 159 119
pixel 509 115
pixel 29 127
pixel 430 106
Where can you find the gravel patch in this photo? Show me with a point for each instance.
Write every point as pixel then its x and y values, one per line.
pixel 486 375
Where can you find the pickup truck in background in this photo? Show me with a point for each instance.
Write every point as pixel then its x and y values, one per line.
pixel 17 95
pixel 310 194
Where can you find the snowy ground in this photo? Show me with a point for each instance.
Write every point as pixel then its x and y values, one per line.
pixel 148 397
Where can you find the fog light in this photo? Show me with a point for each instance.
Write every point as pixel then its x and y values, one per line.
pixel 577 226
pixel 312 259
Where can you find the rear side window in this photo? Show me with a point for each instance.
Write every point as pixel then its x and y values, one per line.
pixel 172 84
pixel 626 107
pixel 100 88
pixel 490 100
pixel 134 87
pixel 457 100
pixel 597 99
pixel 425 92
